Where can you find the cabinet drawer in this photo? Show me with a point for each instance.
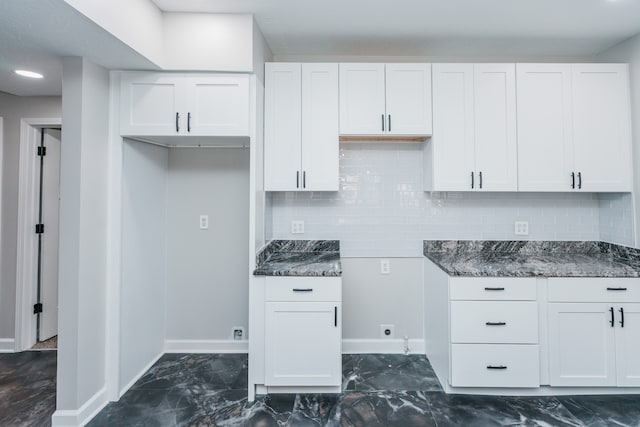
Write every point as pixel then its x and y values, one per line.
pixel 303 289
pixel 498 322
pixel 487 365
pixel 589 289
pixel 492 288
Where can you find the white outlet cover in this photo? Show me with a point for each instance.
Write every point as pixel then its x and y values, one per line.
pixel 521 228
pixel 385 266
pixel 204 222
pixel 297 227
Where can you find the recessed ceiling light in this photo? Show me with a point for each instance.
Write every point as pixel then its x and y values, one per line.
pixel 30 74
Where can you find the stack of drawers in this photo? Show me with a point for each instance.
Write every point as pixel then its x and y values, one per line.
pixel 494 332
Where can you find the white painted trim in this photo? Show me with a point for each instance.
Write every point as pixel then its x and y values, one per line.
pixel 139 375
pixel 7 345
pixel 82 415
pixel 206 346
pixel 381 346
pixel 25 335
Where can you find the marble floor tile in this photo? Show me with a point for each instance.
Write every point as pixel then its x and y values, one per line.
pixel 604 411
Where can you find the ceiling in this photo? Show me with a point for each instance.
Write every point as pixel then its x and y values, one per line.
pixel 451 28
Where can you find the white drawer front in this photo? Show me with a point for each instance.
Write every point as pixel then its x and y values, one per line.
pixel 487 365
pixel 497 322
pixel 303 288
pixel 591 289
pixel 493 288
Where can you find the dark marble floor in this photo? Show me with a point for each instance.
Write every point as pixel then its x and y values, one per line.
pixel 27 388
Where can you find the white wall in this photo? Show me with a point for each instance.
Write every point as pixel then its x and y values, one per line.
pixel 83 248
pixel 616 218
pixel 381 210
pixel 629 51
pixel 13 109
pixel 144 258
pixel 207 271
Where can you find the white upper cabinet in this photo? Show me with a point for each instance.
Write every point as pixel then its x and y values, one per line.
pixel 301 127
pixel 164 104
pixel 385 99
pixel 473 146
pixel 574 127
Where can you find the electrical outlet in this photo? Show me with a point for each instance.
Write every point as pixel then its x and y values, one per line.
pixel 204 222
pixel 385 266
pixel 297 227
pixel 387 331
pixel 522 228
pixel 237 333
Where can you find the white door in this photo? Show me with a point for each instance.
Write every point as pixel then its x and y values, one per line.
pixel 282 126
pixel 152 104
pixel 581 344
pixel 320 144
pixel 602 126
pixel 408 99
pixel 495 126
pixel 50 237
pixel 453 127
pixel 217 106
pixel 362 99
pixel 302 344
pixel 545 150
pixel 628 345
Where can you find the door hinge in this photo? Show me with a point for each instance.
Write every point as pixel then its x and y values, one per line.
pixel 37 308
pixel 39 228
pixel 42 151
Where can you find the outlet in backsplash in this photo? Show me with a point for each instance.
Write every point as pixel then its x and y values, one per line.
pixel 381 209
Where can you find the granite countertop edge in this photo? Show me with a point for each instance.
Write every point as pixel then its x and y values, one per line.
pixel 299 258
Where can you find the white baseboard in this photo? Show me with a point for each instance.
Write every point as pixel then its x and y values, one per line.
pixel 384 346
pixel 139 375
pixel 82 415
pixel 206 346
pixel 7 345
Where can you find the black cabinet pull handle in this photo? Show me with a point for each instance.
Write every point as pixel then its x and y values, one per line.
pixel 480 173
pixel 389 122
pixel 612 321
pixel 382 117
pixel 573 180
pixel 496 367
pixel 496 323
pixel 335 316
pixel 304 179
pixel 494 289
pixel 579 181
pixel 188 122
pixel 177 122
pixel 302 289
pixel 297 179
pixel 616 289
pixel 621 317
pixel 471 180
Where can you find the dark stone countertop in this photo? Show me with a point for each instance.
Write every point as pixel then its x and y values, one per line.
pixel 533 258
pixel 299 258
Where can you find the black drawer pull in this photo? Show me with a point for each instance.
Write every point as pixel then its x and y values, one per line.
pixel 616 289
pixel 496 367
pixel 496 323
pixel 494 289
pixel 302 289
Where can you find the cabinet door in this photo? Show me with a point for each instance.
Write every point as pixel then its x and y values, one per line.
pixel 453 126
pixel 495 126
pixel 628 345
pixel 282 126
pixel 302 344
pixel 149 103
pixel 408 99
pixel 545 150
pixel 362 99
pixel 218 106
pixel 320 150
pixel 581 345
pixel 601 117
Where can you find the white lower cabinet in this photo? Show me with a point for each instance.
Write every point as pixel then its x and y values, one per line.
pixel 303 332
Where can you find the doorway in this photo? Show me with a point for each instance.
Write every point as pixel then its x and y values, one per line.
pixel 38 236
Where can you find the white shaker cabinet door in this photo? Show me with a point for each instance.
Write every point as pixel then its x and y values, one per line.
pixel 408 99
pixel 628 344
pixel 282 126
pixel 495 126
pixel 362 99
pixel 602 127
pixel 545 135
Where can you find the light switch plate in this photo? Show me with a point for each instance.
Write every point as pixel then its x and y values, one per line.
pixel 521 228
pixel 297 227
pixel 204 222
